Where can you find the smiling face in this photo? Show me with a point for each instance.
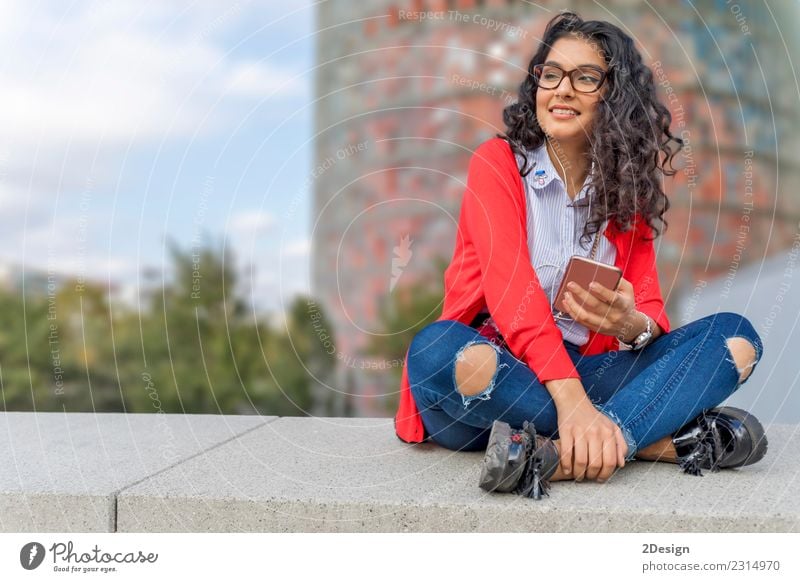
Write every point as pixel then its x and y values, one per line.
pixel 569 53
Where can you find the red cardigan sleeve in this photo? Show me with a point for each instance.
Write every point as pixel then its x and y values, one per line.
pixel 643 273
pixel 493 212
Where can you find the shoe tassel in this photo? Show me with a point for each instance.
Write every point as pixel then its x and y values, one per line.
pixel 532 484
pixel 708 448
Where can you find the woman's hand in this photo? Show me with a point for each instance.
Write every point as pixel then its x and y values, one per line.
pixel 592 446
pixel 603 310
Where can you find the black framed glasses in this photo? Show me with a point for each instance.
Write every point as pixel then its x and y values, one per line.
pixel 586 79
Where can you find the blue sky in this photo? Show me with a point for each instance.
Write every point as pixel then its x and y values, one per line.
pixel 127 123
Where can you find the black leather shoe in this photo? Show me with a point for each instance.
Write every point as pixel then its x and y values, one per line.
pixel 518 461
pixel 721 438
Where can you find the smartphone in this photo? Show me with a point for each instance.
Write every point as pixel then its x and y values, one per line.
pixel 583 271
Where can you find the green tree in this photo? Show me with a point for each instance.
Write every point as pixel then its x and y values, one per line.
pixel 194 346
pixel 402 314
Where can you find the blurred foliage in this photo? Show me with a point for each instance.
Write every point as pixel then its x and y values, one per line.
pixel 404 312
pixel 193 346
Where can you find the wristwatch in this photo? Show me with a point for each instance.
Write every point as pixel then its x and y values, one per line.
pixel 642 339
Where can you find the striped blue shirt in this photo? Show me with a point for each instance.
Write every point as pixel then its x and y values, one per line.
pixel 555 224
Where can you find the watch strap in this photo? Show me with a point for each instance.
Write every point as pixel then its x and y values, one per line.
pixel 642 339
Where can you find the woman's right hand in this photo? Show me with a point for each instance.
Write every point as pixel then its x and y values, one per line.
pixel 592 446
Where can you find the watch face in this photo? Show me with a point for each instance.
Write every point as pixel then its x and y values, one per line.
pixel 642 340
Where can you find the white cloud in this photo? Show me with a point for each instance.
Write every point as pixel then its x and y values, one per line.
pixel 256 80
pixel 251 223
pixel 65 249
pixel 84 84
pixel 297 249
pixel 120 72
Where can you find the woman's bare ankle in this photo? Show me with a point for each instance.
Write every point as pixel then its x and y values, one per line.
pixel 662 450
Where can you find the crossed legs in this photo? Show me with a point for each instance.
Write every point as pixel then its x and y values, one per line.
pixel 477 364
pixel 744 354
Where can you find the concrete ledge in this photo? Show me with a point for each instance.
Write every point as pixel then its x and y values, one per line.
pixel 62 472
pixel 354 475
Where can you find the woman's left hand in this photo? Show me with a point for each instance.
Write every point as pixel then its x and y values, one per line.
pixel 603 310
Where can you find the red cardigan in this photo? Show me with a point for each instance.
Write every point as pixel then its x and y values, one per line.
pixel 491 268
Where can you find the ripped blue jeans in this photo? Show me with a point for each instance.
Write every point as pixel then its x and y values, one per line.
pixel 649 393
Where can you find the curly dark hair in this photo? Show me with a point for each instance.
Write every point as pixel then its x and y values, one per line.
pixel 630 142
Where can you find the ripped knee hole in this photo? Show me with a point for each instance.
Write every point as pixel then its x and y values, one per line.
pixel 476 365
pixel 744 356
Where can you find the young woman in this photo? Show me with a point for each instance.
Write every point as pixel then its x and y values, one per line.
pixel 576 173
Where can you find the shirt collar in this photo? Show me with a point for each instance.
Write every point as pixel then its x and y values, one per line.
pixel 547 173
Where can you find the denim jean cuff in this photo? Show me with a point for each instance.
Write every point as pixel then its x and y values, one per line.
pixel 626 433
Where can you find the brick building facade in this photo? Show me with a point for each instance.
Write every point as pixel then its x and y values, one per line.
pixel 407 89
